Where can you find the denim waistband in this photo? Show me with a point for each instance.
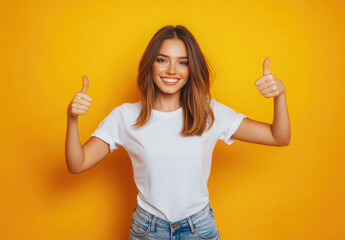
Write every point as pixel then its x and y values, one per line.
pixel 184 223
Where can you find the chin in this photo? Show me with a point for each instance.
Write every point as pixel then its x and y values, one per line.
pixel 169 92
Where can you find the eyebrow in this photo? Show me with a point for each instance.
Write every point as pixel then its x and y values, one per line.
pixel 168 56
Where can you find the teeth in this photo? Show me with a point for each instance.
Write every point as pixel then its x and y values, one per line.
pixel 170 80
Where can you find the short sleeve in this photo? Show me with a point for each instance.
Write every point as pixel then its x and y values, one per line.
pixel 227 122
pixel 110 129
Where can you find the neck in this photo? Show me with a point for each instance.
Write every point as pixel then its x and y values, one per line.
pixel 167 102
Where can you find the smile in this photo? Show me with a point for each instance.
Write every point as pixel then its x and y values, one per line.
pixel 170 81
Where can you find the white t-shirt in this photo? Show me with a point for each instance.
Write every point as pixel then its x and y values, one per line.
pixel 170 171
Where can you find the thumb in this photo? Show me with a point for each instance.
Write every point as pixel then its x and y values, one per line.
pixel 85 84
pixel 265 66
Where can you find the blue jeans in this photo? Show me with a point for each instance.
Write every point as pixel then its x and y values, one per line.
pixel 200 225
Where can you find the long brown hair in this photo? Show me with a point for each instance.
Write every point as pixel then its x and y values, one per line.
pixel 193 98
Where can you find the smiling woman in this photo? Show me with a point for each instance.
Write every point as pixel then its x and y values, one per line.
pixel 169 70
pixel 170 136
pixel 173 53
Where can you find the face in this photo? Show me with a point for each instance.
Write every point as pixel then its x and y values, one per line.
pixel 170 69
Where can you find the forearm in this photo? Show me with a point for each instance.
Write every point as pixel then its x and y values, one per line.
pixel 74 153
pixel 281 122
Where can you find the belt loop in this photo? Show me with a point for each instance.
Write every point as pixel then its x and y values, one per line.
pixel 190 224
pixel 209 204
pixel 153 224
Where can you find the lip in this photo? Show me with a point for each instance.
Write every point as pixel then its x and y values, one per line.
pixel 170 77
pixel 170 83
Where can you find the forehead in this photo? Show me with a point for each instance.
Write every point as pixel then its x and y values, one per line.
pixel 173 48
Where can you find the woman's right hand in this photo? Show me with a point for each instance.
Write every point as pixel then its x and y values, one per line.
pixel 81 101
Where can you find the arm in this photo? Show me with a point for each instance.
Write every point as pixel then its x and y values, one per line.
pixel 281 122
pixel 277 133
pixel 74 153
pixel 79 158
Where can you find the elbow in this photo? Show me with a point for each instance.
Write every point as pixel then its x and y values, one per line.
pixel 287 142
pixel 283 143
pixel 74 171
pixel 283 138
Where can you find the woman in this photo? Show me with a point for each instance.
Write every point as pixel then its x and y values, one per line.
pixel 170 135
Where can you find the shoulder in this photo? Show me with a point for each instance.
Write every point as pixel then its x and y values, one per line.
pixel 129 107
pixel 126 110
pixel 221 110
pixel 217 106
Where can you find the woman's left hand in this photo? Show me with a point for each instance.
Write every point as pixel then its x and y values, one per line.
pixel 268 85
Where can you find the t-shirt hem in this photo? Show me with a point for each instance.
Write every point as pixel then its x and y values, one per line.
pixel 230 131
pixel 103 136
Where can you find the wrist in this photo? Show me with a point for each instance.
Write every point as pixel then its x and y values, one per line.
pixel 71 118
pixel 282 94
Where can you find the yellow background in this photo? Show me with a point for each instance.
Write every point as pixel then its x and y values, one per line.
pixel 258 192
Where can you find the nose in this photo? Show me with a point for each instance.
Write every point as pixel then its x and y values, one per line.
pixel 171 69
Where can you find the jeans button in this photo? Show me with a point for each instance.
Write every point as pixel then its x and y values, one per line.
pixel 175 225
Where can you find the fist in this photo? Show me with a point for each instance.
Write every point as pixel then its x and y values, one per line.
pixel 268 85
pixel 81 101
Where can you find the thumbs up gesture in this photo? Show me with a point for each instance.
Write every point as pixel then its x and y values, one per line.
pixel 81 101
pixel 268 85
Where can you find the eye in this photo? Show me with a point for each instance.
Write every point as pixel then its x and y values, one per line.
pixel 161 60
pixel 184 63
